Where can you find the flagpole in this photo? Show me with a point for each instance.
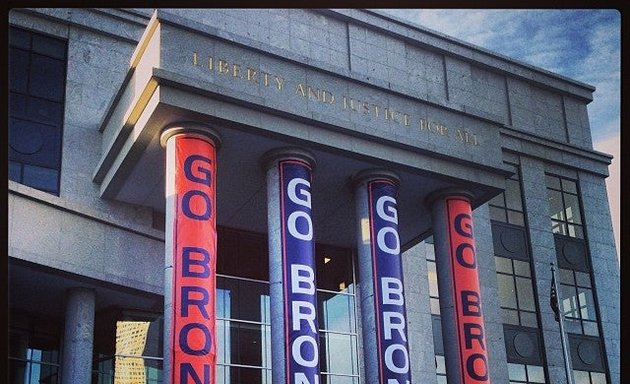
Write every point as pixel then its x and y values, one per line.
pixel 565 352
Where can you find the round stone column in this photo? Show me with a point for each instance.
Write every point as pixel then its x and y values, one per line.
pixel 383 313
pixel 190 253
pixel 465 348
pixel 78 336
pixel 292 283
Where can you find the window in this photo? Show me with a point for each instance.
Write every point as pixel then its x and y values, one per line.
pixel 34 352
pixel 128 347
pixel 243 311
pixel 586 377
pixel 577 303
pixel 525 373
pixel 338 354
pixel 516 292
pixel 564 206
pixel 243 331
pixel 37 73
pixel 507 207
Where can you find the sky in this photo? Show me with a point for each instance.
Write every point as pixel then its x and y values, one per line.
pixel 582 44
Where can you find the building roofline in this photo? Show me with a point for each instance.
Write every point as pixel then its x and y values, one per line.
pixel 406 30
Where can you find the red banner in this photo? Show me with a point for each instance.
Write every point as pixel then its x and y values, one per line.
pixel 194 262
pixel 469 316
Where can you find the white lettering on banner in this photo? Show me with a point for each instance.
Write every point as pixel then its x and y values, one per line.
pixel 392 291
pixel 302 282
pixel 299 315
pixel 392 213
pixel 389 360
pixel 300 378
pixel 389 325
pixel 292 191
pixel 303 200
pixel 387 213
pixel 380 240
pixel 292 225
pixel 296 351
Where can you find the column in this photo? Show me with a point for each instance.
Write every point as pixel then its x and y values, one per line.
pixel 463 332
pixel 190 253
pixel 292 284
pixel 383 313
pixel 78 336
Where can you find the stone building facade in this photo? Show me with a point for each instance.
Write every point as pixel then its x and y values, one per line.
pixel 353 98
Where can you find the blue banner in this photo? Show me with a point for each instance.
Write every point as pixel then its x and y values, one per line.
pixel 298 260
pixel 389 301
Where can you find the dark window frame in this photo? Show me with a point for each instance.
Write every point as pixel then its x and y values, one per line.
pixel 499 204
pixel 563 223
pixel 48 162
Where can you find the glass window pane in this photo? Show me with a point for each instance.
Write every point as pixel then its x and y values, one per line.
pixel 568 301
pixel 528 319
pixel 598 378
pixel 566 276
pixel 244 375
pixel 18 70
pixel 559 227
pixel 573 325
pixel 516 372
pixel 556 209
pixel 516 218
pixel 15 171
pixel 47 77
pixel 221 377
pixel 441 380
pixel 19 38
pixel 552 181
pixel 587 304
pixel 507 293
pixel 498 214
pixel 248 301
pixel 334 268
pixel 49 46
pixel 535 374
pixel 17 105
pixel 569 186
pixel 337 353
pixel 510 316
pixel 503 265
pixel 583 279
pixel 44 111
pixel 335 311
pixel 498 200
pixel 246 344
pixel 525 294
pixel 581 377
pixel 41 178
pixel 223 339
pixel 521 268
pixel 572 209
pixel 576 231
pixel 590 328
pixel 513 195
